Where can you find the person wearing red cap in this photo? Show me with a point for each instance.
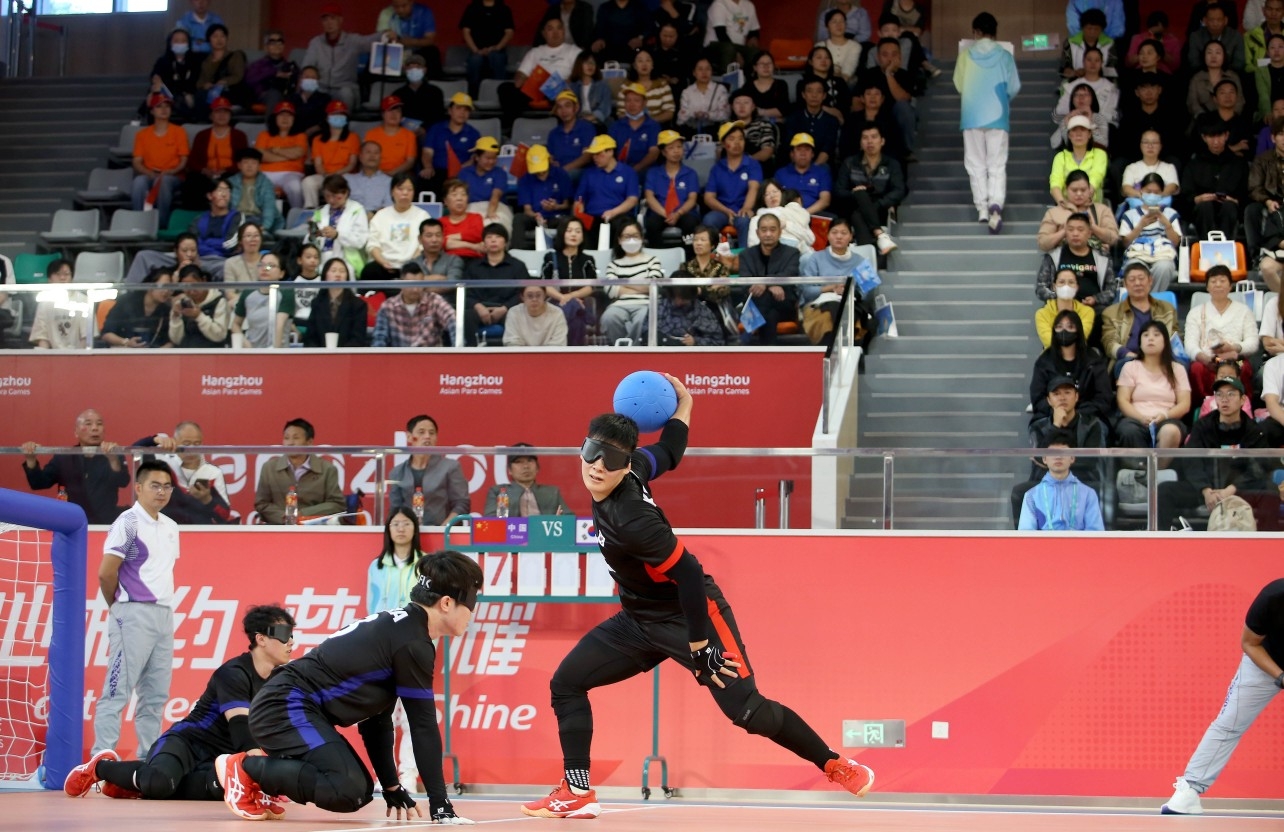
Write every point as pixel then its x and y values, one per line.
pixel 399 147
pixel 285 152
pixel 160 154
pixel 334 53
pixel 335 151
pixel 213 154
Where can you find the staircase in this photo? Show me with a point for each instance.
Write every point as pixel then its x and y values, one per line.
pixel 55 131
pixel 958 375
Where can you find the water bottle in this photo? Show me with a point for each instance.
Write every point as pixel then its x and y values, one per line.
pixel 501 502
pixel 292 507
pixel 62 493
pixel 418 504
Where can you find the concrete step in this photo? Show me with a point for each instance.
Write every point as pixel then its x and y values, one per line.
pixel 959 193
pixel 953 402
pixel 915 320
pixel 930 423
pixel 962 279
pixel 922 212
pixel 948 348
pixel 981 379
pixel 36 161
pixel 977 238
pixel 916 359
pixel 1023 180
pixel 929 232
pixel 905 260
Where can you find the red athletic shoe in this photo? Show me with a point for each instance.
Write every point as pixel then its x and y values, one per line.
pixel 272 808
pixel 851 775
pixel 240 792
pixel 563 803
pixel 114 791
pixel 81 779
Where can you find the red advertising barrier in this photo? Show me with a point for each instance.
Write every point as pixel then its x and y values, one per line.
pixel 744 399
pixel 1077 666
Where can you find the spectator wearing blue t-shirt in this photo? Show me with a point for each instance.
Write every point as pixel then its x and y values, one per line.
pixel 196 22
pixel 543 196
pixel 609 190
pixel 670 192
pixel 812 182
pixel 415 27
pixel 635 132
pixel 731 191
pixel 486 182
pixel 568 142
pixel 447 142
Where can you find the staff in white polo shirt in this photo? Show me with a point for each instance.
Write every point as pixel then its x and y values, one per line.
pixel 137 580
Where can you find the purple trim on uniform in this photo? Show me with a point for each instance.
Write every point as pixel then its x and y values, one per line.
pixel 414 693
pixel 136 554
pixel 222 709
pixel 295 707
pixel 650 458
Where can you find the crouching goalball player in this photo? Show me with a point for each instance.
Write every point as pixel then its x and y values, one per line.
pixel 355 677
pixel 180 766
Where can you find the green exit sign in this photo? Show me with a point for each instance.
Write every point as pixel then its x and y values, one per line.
pixel 873 733
pixel 1040 43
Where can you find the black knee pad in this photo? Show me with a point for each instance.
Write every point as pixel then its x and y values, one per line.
pixel 154 783
pixel 760 715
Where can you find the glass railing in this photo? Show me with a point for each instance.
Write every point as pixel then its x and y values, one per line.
pixel 928 490
pixel 84 307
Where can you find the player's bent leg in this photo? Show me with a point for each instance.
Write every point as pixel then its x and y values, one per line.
pixel 241 794
pixel 82 779
pixel 159 778
pixel 330 776
pixel 120 780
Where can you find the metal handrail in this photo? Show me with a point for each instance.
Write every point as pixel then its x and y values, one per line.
pixel 22 61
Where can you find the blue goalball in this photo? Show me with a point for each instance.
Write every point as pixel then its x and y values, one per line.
pixel 647 398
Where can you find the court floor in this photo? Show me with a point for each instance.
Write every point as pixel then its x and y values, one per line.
pixel 30 811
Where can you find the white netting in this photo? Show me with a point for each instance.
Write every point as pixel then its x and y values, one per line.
pixel 26 601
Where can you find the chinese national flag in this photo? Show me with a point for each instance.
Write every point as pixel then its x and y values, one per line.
pixel 624 152
pixel 453 164
pixel 519 161
pixel 490 531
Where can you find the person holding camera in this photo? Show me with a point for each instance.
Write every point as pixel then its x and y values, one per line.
pixel 200 490
pixel 198 318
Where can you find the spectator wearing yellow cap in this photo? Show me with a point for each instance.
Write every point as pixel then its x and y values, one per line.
pixel 486 183
pixel 609 189
pixel 813 182
pixel 448 144
pixel 555 57
pixel 397 145
pixel 568 142
pixel 731 191
pixel 656 92
pixel 543 196
pixel 635 132
pixel 671 191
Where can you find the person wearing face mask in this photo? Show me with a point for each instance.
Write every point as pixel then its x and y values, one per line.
pixel 1070 355
pixel 636 134
pixel 626 315
pixel 1152 233
pixel 334 153
pixel 177 71
pixel 420 101
pixel 1097 281
pixel 1066 287
pixel 309 102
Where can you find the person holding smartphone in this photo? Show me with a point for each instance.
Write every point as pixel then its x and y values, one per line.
pixel 1216 181
pixel 200 494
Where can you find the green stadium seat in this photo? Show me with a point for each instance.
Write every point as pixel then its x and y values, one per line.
pixel 180 219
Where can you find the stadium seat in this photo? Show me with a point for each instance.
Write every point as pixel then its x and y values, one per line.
pixel 132 227
pixel 1167 297
pixel 180 220
pixel 487 127
pixel 790 53
pixel 515 55
pixel 107 186
pixel 449 88
pixel 123 152
pixel 192 129
pixel 455 62
pixel 100 267
pixel 488 96
pixel 671 259
pixel 72 227
pixel 251 130
pixel 532 260
pixel 296 223
pixel 31 268
pixel 702 167
pixel 532 131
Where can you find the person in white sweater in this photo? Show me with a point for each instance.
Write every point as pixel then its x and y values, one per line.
pixel 394 233
pixel 1217 330
pixel 532 323
pixel 795 222
pixel 629 299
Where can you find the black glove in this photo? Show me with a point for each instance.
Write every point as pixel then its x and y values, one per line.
pixel 710 659
pixel 399 799
pixel 442 812
pixel 1279 681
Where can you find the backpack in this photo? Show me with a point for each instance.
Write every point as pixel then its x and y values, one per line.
pixel 1233 514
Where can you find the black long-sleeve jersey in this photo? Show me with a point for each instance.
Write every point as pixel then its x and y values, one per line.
pixel 232 686
pixel 358 674
pixel 659 579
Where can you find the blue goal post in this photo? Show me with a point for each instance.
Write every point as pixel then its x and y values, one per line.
pixel 64 736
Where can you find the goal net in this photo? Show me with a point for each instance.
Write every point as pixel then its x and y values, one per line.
pixel 42 638
pixel 26 605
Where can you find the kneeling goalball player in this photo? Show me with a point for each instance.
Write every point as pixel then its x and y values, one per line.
pixel 671 610
pixel 355 677
pixel 181 763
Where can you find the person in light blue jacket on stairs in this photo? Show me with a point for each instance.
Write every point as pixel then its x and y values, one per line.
pixel 986 78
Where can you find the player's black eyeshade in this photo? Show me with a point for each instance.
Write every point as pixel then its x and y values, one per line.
pixel 281 632
pixel 613 459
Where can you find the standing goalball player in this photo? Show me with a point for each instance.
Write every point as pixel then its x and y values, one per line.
pixel 671 610
pixel 181 763
pixel 355 677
